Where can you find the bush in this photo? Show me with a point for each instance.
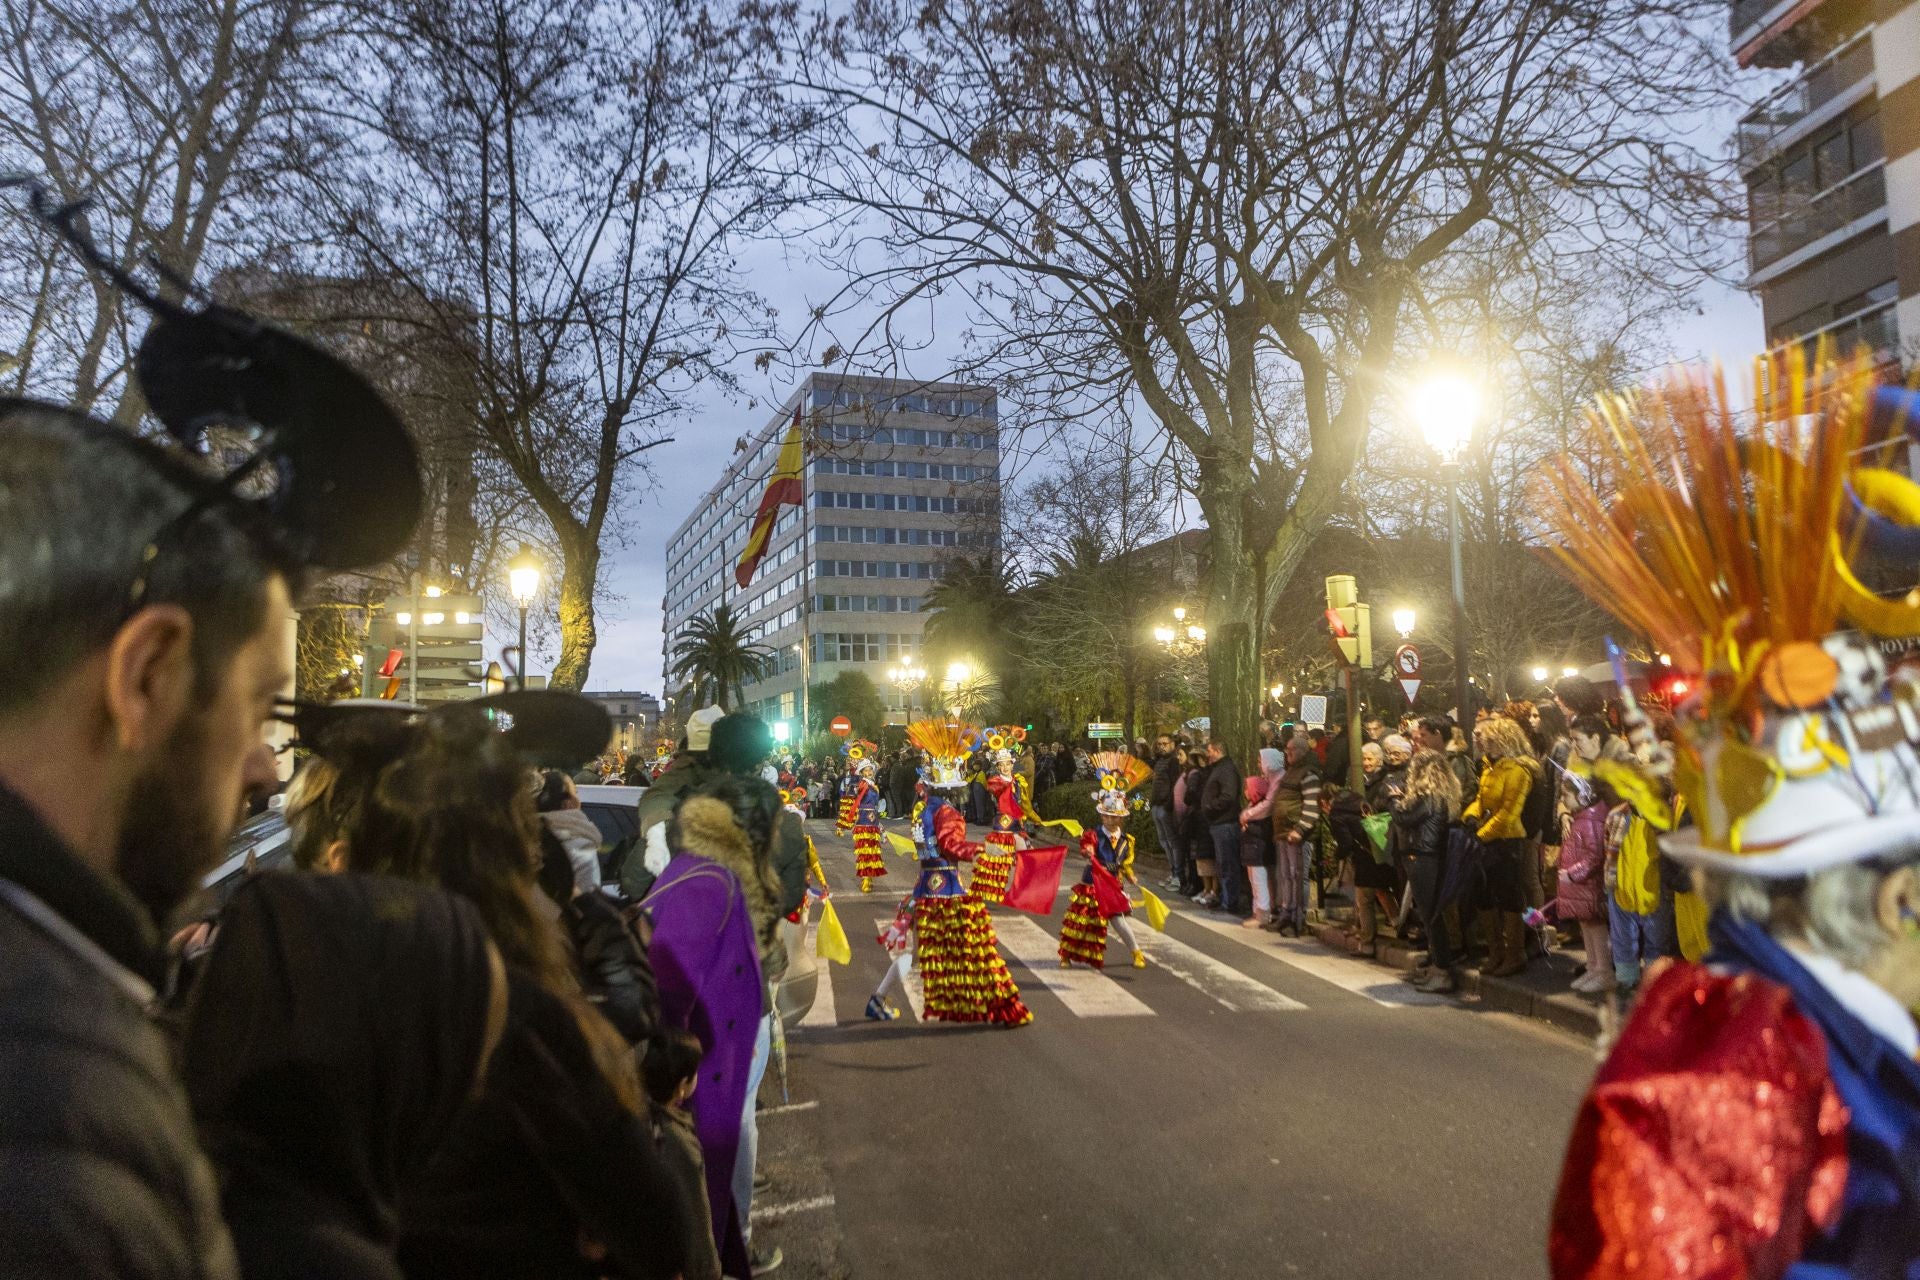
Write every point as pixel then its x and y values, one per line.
pixel 1076 801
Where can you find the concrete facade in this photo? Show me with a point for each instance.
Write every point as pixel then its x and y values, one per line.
pixel 901 478
pixel 1831 161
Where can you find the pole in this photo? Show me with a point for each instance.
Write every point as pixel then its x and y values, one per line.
pixel 807 579
pixel 1462 658
pixel 413 645
pixel 1356 768
pixel 521 681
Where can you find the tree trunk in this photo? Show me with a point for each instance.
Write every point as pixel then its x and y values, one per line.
pixel 1233 669
pixel 579 571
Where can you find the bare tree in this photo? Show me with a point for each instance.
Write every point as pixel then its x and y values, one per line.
pixel 171 116
pixel 1230 208
pixel 562 180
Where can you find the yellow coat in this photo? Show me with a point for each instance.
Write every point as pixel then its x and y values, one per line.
pixel 1503 797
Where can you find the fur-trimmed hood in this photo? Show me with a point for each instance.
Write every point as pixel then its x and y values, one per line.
pixel 707 829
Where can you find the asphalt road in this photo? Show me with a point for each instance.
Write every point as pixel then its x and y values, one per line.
pixel 1244 1106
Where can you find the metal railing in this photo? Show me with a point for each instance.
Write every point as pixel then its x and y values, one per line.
pixel 1742 14
pixel 1787 106
pixel 1875 328
pixel 1822 214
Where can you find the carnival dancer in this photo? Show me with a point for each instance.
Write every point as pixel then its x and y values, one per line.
pixel 965 977
pixel 1759 1114
pixel 1100 898
pixel 844 824
pixel 867 863
pixel 994 867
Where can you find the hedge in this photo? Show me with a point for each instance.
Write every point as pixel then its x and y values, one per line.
pixel 1075 800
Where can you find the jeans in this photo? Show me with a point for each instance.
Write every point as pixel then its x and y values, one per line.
pixel 749 1151
pixel 1424 872
pixel 1506 865
pixel 1290 882
pixel 1638 940
pixel 1168 830
pixel 1226 858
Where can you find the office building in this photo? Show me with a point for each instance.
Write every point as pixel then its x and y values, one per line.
pixel 1831 162
pixel 635 715
pixel 901 478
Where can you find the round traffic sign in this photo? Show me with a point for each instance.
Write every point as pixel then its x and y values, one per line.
pixel 1406 661
pixel 841 726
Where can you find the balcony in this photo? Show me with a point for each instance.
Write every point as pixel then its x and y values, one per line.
pixel 1826 89
pixel 1836 214
pixel 1873 328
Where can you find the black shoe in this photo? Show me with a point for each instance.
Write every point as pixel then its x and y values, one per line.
pixel 765 1260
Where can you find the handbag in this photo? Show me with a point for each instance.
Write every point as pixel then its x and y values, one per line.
pixel 1378 825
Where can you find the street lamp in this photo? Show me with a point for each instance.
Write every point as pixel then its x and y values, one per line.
pixel 523 579
pixel 906 678
pixel 1403 623
pixel 1539 675
pixel 1444 407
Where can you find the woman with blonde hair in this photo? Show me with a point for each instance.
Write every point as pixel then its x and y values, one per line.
pixel 1426 812
pixel 1497 818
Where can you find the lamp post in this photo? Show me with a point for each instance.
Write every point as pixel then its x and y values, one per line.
pixel 906 678
pixel 1403 623
pixel 523 579
pixel 1444 406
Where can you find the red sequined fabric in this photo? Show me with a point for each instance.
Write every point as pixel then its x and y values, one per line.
pixel 1711 1143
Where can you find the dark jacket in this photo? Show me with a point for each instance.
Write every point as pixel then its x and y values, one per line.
pixel 100 1172
pixel 686 772
pixel 1420 828
pixel 1222 794
pixel 1063 768
pixel 1166 770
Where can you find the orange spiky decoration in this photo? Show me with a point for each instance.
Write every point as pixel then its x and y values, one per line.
pixel 1129 770
pixel 940 739
pixel 1719 534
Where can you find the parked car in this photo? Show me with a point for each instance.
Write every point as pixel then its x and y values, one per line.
pixel 263 842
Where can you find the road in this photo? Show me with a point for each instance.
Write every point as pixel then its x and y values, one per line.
pixel 1246 1105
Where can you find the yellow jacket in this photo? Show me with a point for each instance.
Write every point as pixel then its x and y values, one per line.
pixel 1503 796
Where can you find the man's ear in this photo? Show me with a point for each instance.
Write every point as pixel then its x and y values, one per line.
pixel 149 676
pixel 1897 903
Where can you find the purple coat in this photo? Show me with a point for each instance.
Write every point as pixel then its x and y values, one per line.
pixel 707 963
pixel 1583 856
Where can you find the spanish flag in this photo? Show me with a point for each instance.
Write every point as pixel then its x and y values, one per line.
pixel 786 487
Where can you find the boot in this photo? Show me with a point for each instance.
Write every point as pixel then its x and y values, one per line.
pixel 1513 946
pixel 1139 959
pixel 1441 982
pixel 1496 943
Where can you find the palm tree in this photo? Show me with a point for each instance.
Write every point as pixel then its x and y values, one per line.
pixel 968 610
pixel 714 656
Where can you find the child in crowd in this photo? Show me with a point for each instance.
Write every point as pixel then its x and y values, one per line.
pixel 671 1070
pixel 1639 913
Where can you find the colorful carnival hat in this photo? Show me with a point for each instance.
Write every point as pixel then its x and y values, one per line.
pixel 1119 774
pixel 946 745
pixel 1729 541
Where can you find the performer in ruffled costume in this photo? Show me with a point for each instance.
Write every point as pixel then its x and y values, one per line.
pixel 1100 898
pixel 965 977
pixel 1759 1114
pixel 867 863
pixel 993 870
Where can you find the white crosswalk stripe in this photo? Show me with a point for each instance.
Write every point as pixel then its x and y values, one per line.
pixel 1374 983
pixel 1220 982
pixel 1086 992
pixel 822 1014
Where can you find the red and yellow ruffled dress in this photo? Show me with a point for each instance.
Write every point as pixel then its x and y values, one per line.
pixel 844 823
pixel 1097 899
pixel 993 869
pixel 867 863
pixel 965 977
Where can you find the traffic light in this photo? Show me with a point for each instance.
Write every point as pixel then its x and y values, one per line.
pixel 1349 622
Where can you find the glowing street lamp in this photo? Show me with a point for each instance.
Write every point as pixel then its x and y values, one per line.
pixel 906 678
pixel 1403 623
pixel 1539 675
pixel 523 580
pixel 1444 407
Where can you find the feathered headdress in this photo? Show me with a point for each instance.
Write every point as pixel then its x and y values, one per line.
pixel 946 746
pixel 1729 539
pixel 1119 774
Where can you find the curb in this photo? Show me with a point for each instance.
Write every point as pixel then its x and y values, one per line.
pixel 1563 1009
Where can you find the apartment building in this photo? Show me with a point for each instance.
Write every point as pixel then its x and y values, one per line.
pixel 1832 165
pixel 635 715
pixel 902 477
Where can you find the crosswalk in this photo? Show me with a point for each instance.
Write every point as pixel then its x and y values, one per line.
pixel 1032 948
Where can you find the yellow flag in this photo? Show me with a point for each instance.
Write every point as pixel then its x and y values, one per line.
pixel 829 939
pixel 1156 910
pixel 902 846
pixel 1067 825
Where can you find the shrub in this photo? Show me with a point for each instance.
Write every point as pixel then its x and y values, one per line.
pixel 1075 800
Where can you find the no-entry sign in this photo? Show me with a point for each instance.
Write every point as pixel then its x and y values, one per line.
pixel 841 726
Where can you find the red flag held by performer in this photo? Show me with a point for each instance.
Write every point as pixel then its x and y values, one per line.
pixel 1036 879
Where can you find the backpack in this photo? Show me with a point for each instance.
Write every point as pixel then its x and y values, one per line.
pixel 1538 812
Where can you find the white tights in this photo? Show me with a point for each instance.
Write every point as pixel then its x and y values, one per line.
pixel 896 973
pixel 1124 927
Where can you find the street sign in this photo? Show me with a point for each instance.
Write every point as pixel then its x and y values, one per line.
pixel 1099 729
pixel 841 726
pixel 1313 711
pixel 1406 669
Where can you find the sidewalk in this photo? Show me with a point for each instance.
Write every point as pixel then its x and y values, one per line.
pixel 1540 992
